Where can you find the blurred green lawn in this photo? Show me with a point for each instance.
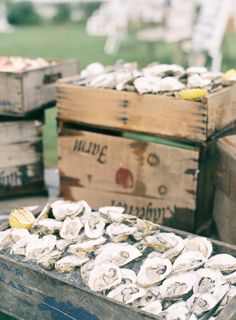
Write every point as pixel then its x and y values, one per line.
pixel 71 41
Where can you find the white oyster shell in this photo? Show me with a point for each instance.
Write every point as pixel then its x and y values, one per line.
pixel 224 262
pixel 146 84
pixel 69 263
pixel 43 214
pixel 127 293
pixel 71 228
pixel 178 286
pixel 18 234
pixel 112 213
pixel 187 261
pixel 48 261
pixel 153 271
pixel 87 246
pixel 168 84
pixel 106 81
pixel 48 226
pixel 20 246
pixel 104 276
pixel 85 271
pixel 196 81
pixel 40 248
pixel 163 69
pixel 196 70
pixel 92 69
pixel 201 303
pixel 62 209
pixel 63 244
pixel 94 225
pixel 208 280
pixel 128 276
pixel 162 241
pixel 152 294
pixel 5 239
pixel 179 310
pixel 172 253
pixel 119 232
pixel 231 278
pixel 154 307
pixel 117 253
pixel 200 244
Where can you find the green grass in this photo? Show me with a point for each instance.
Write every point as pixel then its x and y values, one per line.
pixel 71 41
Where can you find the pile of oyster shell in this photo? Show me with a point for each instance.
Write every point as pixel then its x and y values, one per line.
pixel 20 64
pixel 165 79
pixel 128 259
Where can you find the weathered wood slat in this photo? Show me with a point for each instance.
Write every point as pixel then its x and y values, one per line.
pixel 23 92
pixel 152 114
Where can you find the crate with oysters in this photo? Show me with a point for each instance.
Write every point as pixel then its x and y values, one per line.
pixel 28 84
pixel 168 274
pixel 167 100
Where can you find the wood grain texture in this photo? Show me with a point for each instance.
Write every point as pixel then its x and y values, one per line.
pixel 23 92
pixel 131 167
pixel 153 114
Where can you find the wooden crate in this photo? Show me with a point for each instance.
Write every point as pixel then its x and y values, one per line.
pixel 167 184
pixel 29 292
pixel 225 195
pixel 24 92
pixel 21 161
pixel 150 114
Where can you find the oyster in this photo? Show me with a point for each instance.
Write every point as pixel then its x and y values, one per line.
pixel 63 209
pixel 5 239
pixel 117 253
pixel 128 276
pixel 18 234
pixel 200 244
pixel 71 228
pixel 230 294
pixel 208 280
pixel 63 244
pixel 224 262
pixel 40 248
pixel 106 81
pixel 87 246
pixel 179 310
pixel 231 278
pixel 168 84
pixel 48 226
pixel 152 294
pixel 172 253
pixel 43 214
pixel 85 270
pixel 94 225
pixel 196 81
pixel 104 276
pixel 196 70
pixel 154 307
pixel 119 232
pixel 69 263
pixel 112 214
pixel 178 286
pixel 20 246
pixel 162 241
pixel 144 228
pixel 48 261
pixel 127 293
pixel 145 84
pixel 153 271
pixel 187 261
pixel 162 70
pixel 92 69
pixel 201 303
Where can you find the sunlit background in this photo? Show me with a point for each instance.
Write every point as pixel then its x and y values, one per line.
pixel 178 31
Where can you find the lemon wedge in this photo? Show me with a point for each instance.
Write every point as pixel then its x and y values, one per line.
pixel 192 94
pixel 21 218
pixel 229 75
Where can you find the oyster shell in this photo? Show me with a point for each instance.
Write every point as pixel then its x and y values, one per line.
pixel 92 69
pixel 117 253
pixel 146 84
pixel 62 209
pixel 144 228
pixel 201 303
pixel 94 225
pixel 208 280
pixel 104 276
pixel 106 81
pixel 153 307
pixel 128 276
pixel 39 248
pixel 69 263
pixel 43 214
pixel 162 70
pixel 119 232
pixel 162 241
pixel 71 228
pixel 85 270
pixel 18 234
pixel 196 81
pixel 231 278
pixel 48 226
pixel 19 247
pixel 178 286
pixel 187 261
pixel 172 253
pixel 168 84
pixel 112 214
pixel 179 310
pixel 152 294
pixel 196 70
pixel 63 244
pixel 127 293
pixel 153 271
pixel 87 246
pixel 5 239
pixel 48 261
pixel 224 262
pixel 200 244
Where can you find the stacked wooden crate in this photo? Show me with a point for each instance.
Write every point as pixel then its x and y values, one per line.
pixel 23 98
pixel 104 159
